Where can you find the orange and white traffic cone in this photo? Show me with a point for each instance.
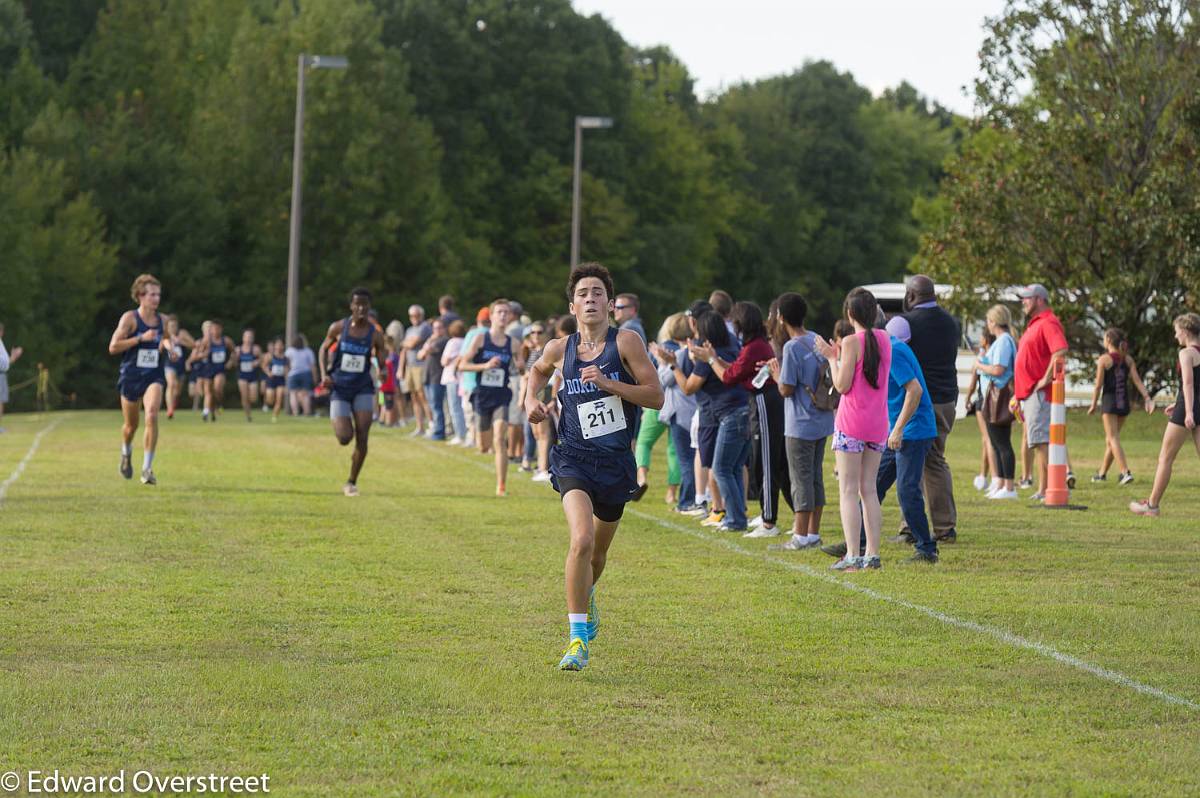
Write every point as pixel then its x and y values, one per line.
pixel 1057 493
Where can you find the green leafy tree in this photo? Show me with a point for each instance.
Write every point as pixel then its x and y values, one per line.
pixel 834 176
pixel 1082 173
pixel 56 263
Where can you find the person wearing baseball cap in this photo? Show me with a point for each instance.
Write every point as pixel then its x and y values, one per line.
pixel 1042 346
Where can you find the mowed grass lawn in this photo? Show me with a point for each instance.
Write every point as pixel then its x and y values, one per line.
pixel 244 617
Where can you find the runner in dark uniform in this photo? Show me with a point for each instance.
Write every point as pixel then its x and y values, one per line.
pixel 350 344
pixel 178 341
pixel 140 340
pixel 276 367
pixel 494 358
pixel 1184 412
pixel 248 356
pixel 1116 373
pixel 607 375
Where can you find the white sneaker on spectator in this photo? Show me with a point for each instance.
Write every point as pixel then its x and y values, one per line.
pixel 1003 494
pixel 541 476
pixel 762 532
pixel 755 521
pixel 980 482
pixel 455 441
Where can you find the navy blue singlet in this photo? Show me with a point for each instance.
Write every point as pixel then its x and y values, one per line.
pixel 142 365
pixel 278 371
pixel 590 419
pixel 352 364
pixel 178 364
pixel 218 353
pixel 492 389
pixel 247 365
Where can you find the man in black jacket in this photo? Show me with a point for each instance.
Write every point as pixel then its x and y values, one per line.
pixel 935 338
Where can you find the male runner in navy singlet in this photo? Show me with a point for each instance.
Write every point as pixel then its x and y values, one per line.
pixel 606 376
pixel 143 348
pixel 349 375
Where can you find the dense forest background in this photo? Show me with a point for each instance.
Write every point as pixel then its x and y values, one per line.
pixel 156 135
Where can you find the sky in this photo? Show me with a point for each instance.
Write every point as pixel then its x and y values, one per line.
pixel 933 44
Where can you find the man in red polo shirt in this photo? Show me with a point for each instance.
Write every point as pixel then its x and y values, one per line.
pixel 1042 346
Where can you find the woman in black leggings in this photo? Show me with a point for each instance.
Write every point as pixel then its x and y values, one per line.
pixel 995 368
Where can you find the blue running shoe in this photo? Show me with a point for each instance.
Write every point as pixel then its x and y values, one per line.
pixel 575 658
pixel 593 620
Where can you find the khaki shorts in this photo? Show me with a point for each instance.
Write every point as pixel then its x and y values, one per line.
pixel 516 410
pixel 1036 408
pixel 414 379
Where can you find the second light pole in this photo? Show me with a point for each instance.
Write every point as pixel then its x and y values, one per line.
pixel 581 122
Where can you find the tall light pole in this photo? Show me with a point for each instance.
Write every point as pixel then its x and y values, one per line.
pixel 581 122
pixel 293 283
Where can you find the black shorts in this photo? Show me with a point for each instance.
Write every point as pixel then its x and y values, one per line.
pixel 1109 406
pixel 602 510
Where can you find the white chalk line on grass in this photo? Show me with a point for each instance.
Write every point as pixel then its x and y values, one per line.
pixel 20 469
pixel 1006 637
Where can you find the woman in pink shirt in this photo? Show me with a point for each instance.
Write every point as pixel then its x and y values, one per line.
pixel 861 425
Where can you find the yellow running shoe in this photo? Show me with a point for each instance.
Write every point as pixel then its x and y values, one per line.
pixel 575 658
pixel 714 519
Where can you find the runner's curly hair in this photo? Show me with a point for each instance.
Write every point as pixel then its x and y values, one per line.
pixel 591 269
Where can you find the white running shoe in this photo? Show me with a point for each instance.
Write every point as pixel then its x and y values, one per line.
pixel 762 532
pixel 1003 494
pixel 755 521
pixel 455 441
pixel 541 476
pixel 980 482
pixel 350 489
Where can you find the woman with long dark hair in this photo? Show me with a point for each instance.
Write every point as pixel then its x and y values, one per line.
pixel 728 406
pixel 861 425
pixel 768 460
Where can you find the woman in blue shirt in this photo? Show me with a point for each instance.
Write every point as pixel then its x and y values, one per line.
pixel 995 368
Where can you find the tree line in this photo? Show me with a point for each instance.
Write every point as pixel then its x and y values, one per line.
pixel 156 135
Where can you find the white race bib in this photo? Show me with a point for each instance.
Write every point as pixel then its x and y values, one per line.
pixel 277 370
pixel 218 357
pixel 493 378
pixel 601 417
pixel 247 365
pixel 177 351
pixel 147 358
pixel 353 364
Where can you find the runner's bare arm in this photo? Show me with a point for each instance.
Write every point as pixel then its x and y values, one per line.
pixel 330 336
pixel 539 374
pixel 123 337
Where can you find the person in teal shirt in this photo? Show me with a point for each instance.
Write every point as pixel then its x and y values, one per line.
pixel 913 431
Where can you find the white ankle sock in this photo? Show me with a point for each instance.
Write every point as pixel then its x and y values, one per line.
pixel 126 449
pixel 147 459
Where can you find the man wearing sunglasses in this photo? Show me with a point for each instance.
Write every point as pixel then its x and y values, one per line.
pixel 625 313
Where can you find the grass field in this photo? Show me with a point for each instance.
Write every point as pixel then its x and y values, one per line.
pixel 244 617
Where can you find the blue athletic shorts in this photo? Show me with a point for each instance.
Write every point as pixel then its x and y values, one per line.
pixel 341 408
pixel 135 389
pixel 610 480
